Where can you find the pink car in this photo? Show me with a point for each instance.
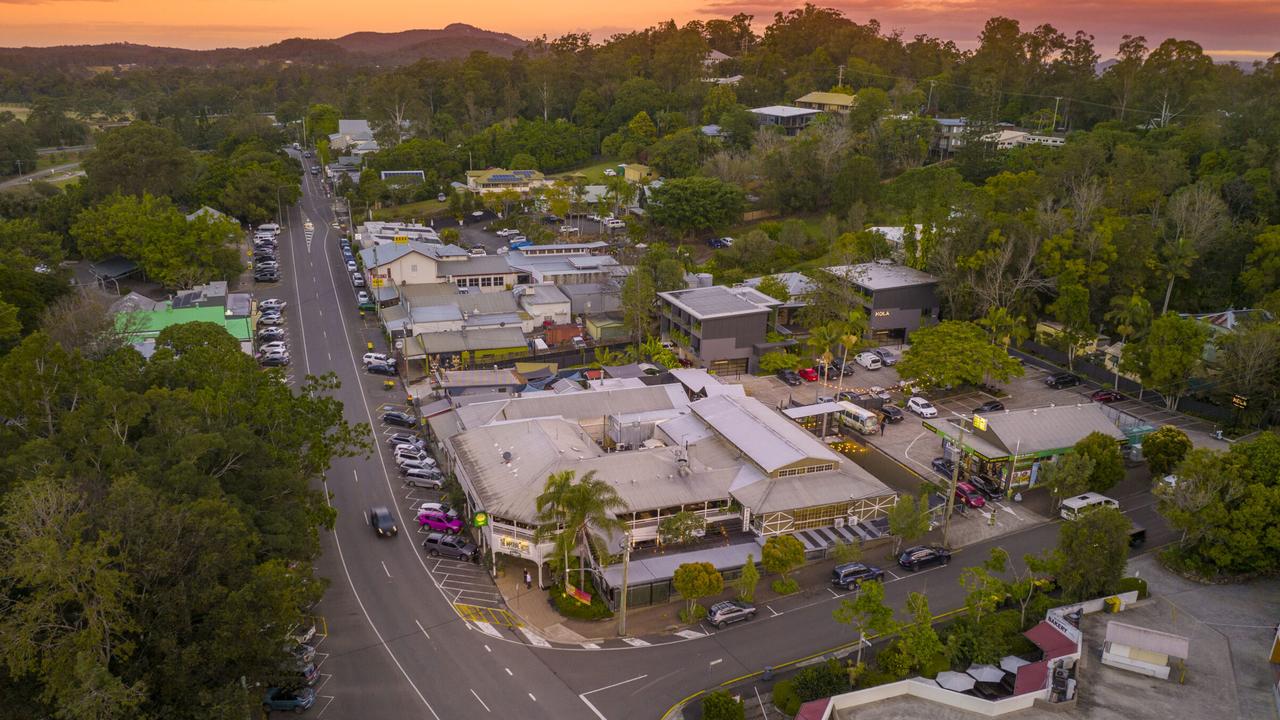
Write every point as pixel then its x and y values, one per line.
pixel 439 522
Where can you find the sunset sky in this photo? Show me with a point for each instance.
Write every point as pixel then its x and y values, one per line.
pixel 1229 30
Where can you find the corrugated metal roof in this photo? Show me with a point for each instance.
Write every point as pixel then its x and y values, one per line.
pixel 1051 428
pixel 770 440
pixel 449 341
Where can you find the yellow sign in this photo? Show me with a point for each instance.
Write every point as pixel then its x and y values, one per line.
pixel 375 282
pixel 401 239
pixel 979 422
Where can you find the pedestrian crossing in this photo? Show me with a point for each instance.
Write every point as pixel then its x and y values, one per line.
pixel 490 615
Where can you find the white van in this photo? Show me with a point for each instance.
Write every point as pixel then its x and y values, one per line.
pixel 272 228
pixel 870 361
pixel 1075 507
pixel 859 418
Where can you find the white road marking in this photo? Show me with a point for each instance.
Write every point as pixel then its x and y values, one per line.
pixel 424 630
pixel 488 649
pixel 385 570
pixel 775 612
pixel 893 575
pixel 486 628
pixel 355 474
pixel 477 697
pixel 691 634
pixel 715 662
pixel 328 701
pixel 531 697
pixel 833 592
pixel 509 672
pixel 534 638
pixel 583 696
pixel 590 646
pixel 635 642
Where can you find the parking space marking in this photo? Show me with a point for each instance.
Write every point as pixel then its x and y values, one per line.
pixel 328 700
pixel 775 612
pixel 834 593
pixel 324 678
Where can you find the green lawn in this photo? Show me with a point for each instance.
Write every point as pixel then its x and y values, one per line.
pixel 18 110
pixel 420 210
pixel 594 173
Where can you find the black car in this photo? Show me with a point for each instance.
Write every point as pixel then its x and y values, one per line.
pixel 892 413
pixel 790 377
pixel 989 406
pixel 454 546
pixel 989 488
pixel 914 558
pixel 395 417
pixel 831 372
pixel 382 521
pixel 730 611
pixel 944 467
pixel 1057 381
pixel 380 369
pixel 850 575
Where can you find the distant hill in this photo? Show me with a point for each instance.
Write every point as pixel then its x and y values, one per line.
pixel 456 40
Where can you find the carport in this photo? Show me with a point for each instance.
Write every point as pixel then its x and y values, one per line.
pixel 817 418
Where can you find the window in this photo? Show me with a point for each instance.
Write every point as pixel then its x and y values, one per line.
pixel 789 472
pixel 413 268
pixel 486 282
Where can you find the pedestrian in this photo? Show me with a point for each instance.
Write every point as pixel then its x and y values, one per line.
pixel 528 580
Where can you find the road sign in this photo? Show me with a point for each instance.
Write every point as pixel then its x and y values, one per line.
pixel 375 282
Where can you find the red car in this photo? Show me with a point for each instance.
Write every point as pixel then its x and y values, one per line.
pixel 969 495
pixel 1106 396
pixel 809 374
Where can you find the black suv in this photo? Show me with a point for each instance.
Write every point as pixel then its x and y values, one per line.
pixel 850 575
pixel 730 611
pixel 394 417
pixel 1057 381
pixel 790 377
pixel 892 413
pixel 914 558
pixel 989 488
pixel 989 406
pixel 454 546
pixel 944 467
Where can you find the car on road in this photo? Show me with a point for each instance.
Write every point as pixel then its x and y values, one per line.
pixel 914 558
pixel 850 575
pixel 272 304
pixel 968 495
pixel 730 611
pixel 351 266
pixel 887 357
pixel 357 280
pixel 401 419
pixel 1106 396
pixel 922 407
pixel 789 377
pixel 808 374
pixel 380 369
pixel 453 546
pixel 989 488
pixel 288 700
pixel 892 414
pixel 429 478
pixel 989 406
pixel 439 522
pixel 382 522
pixel 372 358
pixel 406 439
pixel 1061 380
pixel 944 467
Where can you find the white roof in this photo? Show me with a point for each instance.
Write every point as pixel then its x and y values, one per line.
pixel 770 440
pixel 784 111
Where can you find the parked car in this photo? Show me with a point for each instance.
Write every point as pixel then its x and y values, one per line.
pixel 504 232
pixel 453 546
pixel 269 320
pixel 730 611
pixel 266 277
pixel 357 280
pixel 989 488
pixel 989 406
pixel 868 360
pixel 409 452
pixel 439 522
pixel 271 333
pixel 266 265
pixel 288 700
pixel 808 374
pixel 363 301
pixel 307 673
pixel 789 377
pixel 1106 396
pixel 850 575
pixel 406 464
pixel 272 347
pixel 892 414
pixel 380 369
pixel 382 522
pixel 406 439
pixel 440 507
pixel 922 407
pixel 272 304
pixel 302 652
pixel 273 360
pixel 1061 380
pixel 351 266
pixel 887 357
pixel 401 419
pixel 914 558
pixel 567 229
pixel 944 467
pixel 968 495
pixel 429 478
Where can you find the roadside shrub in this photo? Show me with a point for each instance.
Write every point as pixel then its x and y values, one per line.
pixel 820 681
pixel 785 698
pixel 693 614
pixel 571 608
pixel 1128 584
pixel 720 705
pixel 785 587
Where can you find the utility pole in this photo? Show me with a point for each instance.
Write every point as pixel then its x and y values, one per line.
pixel 626 566
pixel 1053 129
pixel 928 104
pixel 955 480
pixel 840 77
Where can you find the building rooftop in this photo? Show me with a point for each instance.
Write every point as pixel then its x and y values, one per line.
pixel 1035 430
pixel 770 440
pixel 882 275
pixel 784 111
pixel 827 98
pixel 540 294
pixel 479 378
pixel 454 341
pixel 720 301
pixel 384 253
pixel 798 284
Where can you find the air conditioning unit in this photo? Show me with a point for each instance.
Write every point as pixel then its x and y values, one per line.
pixel 839 522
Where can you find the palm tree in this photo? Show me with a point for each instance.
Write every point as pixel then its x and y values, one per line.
pixel 1131 316
pixel 1003 327
pixel 574 513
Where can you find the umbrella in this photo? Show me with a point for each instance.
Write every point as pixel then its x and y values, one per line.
pixel 985 673
pixel 1011 663
pixel 958 682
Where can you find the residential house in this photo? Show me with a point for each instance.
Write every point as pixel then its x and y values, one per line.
pixel 1008 138
pixel 728 80
pixel 637 173
pixel 950 134
pixel 1224 323
pixel 898 299
pixel 713 58
pixel 562 263
pixel 416 263
pixel 798 287
pixel 498 179
pixel 791 119
pixel 206 211
pixel 353 134
pixel 830 102
pixel 724 326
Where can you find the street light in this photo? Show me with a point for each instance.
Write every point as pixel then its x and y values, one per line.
pixel 626 565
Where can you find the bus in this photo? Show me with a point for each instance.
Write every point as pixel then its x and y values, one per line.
pixel 1075 507
pixel 859 418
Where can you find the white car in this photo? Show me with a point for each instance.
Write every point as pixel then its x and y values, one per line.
pixel 568 229
pixel 409 451
pixel 519 238
pixel 272 304
pixel 406 464
pixel 351 266
pixel 504 232
pixel 922 407
pixel 594 218
pixel 477 252
pixel 429 479
pixel 362 297
pixel 610 172
pixel 277 345
pixel 868 360
pixel 437 507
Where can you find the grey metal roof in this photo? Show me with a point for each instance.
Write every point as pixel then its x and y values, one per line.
pixel 540 294
pixel 882 276
pixel 770 440
pixel 1037 430
pixel 798 284
pixel 471 303
pixel 478 378
pixel 436 313
pixel 585 406
pixel 720 301
pixel 765 494
pixel 482 320
pixel 785 111
pixel 451 341
pixel 485 265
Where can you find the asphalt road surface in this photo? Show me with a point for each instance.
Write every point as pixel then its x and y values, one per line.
pixel 396 642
